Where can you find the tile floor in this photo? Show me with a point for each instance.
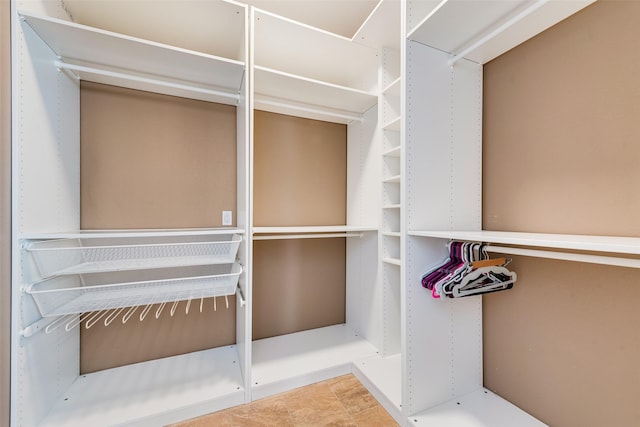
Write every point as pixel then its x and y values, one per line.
pixel 340 401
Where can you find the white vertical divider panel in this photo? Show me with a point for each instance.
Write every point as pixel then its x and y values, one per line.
pixel 443 350
pixel 46 197
pixel 391 275
pixel 364 293
pixel 244 115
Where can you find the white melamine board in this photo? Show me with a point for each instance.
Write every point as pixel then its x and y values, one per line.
pixel 243 312
pixel 291 47
pixel 213 27
pixel 458 24
pixel 109 76
pixel 289 361
pixel 363 170
pixel 47 366
pixel 392 261
pixel 187 385
pixel 418 10
pixel 284 86
pixel 313 229
pixel 88 234
pixel 427 137
pixel 381 376
pixel 444 336
pixel 480 408
pixel 393 88
pixel 465 176
pixel 392 152
pixel 393 125
pixel 382 27
pixel 46 140
pixel 610 244
pixel 364 296
pixel 83 45
pixel 392 309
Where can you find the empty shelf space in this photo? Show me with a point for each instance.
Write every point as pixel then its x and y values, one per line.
pixel 342 61
pixel 192 384
pixel 276 88
pixel 102 254
pixel 381 376
pixel 393 88
pixel 481 408
pixel 392 152
pixel 393 125
pixel 289 361
pixel 108 57
pixel 71 294
pixel 393 261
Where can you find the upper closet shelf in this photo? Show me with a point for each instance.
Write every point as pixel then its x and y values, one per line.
pixel 609 244
pixel 278 91
pixel 484 29
pixel 111 58
pixel 382 27
pixel 301 50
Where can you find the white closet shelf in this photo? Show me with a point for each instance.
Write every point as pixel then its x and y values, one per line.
pixel 393 88
pixel 396 206
pixel 276 88
pixel 63 295
pixel 288 361
pixel 314 229
pixel 112 58
pixel 392 234
pixel 392 261
pixel 157 392
pixel 484 29
pixel 481 408
pixel 393 125
pixel 382 377
pixel 392 152
pixel 392 179
pixel 381 28
pixel 302 50
pixel 609 244
pixel 103 254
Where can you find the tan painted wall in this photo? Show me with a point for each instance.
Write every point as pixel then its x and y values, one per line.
pixel 155 161
pixel 300 179
pixel 561 155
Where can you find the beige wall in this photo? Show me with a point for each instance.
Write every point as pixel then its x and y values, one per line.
pixel 300 178
pixel 5 208
pixel 155 161
pixel 561 155
pixel 300 171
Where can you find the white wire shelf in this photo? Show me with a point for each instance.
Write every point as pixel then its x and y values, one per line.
pixel 94 255
pixel 63 295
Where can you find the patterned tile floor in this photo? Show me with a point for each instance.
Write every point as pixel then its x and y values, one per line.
pixel 340 401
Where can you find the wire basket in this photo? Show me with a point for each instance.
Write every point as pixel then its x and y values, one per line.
pixel 79 256
pixel 73 294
